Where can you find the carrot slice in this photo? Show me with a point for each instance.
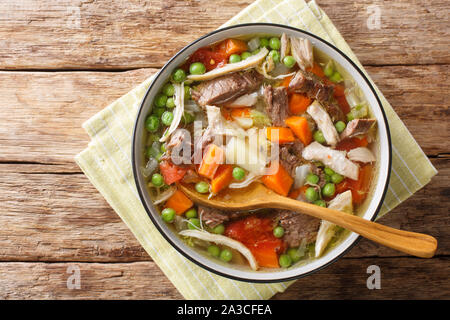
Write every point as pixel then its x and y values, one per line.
pixel 243 112
pixel 179 202
pixel 211 161
pixel 296 192
pixel 285 135
pixel 317 70
pixel 280 182
pixel 298 103
pixel 286 82
pixel 300 127
pixel 222 179
pixel 231 46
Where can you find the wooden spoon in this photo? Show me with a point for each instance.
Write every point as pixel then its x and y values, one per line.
pixel 256 196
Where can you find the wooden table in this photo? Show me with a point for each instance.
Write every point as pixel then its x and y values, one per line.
pixel 63 61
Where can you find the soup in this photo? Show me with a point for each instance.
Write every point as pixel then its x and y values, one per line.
pixel 259 109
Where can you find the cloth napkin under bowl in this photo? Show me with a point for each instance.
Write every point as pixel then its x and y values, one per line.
pixel 107 162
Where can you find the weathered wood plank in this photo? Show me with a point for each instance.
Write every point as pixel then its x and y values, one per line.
pixel 61 217
pixel 41 112
pixel 122 34
pixel 139 280
pixel 401 278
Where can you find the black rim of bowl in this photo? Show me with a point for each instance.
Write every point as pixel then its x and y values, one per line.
pixel 152 212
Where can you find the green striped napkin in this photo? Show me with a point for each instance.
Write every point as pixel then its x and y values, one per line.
pixel 107 162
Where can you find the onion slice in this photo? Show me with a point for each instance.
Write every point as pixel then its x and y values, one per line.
pixel 165 195
pixel 219 239
pixel 231 67
pixel 178 112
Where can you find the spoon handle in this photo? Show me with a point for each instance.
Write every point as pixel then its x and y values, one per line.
pixel 416 244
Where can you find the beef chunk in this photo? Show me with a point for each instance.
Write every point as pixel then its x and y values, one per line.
pixel 357 127
pixel 297 227
pixel 311 85
pixel 291 156
pixel 320 173
pixel 191 177
pixel 335 112
pixel 226 88
pixel 276 104
pixel 179 148
pixel 211 216
pixel 201 144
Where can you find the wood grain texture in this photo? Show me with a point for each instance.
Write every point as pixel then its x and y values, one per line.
pixel 61 217
pixel 345 279
pixel 41 124
pixel 124 34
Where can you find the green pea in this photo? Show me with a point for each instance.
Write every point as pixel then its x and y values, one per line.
pixel 202 187
pixel 328 171
pixel 152 123
pixel 234 58
pixel 329 69
pixel 197 68
pixel 263 42
pixel 278 232
pixel 285 261
pixel 160 100
pixel 289 61
pixel 318 136
pixel 245 55
pixel 226 255
pixel 214 250
pixel 275 55
pixel 168 89
pixel 320 203
pixel 187 92
pixel 340 126
pixel 312 178
pixel 157 180
pixel 194 223
pixel 167 118
pixel 179 75
pixel 336 77
pixel 350 116
pixel 275 43
pixel 238 173
pixel 168 214
pixel 191 213
pixel 159 111
pixel 219 229
pixel 328 190
pixel 153 138
pixel 188 118
pixel 294 254
pixel 170 103
pixel 327 178
pixel 337 178
pixel 311 194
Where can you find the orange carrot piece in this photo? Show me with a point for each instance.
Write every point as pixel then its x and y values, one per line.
pixel 286 82
pixel 266 255
pixel 285 135
pixel 298 103
pixel 179 202
pixel 300 127
pixel 241 112
pixel 222 179
pixel 317 70
pixel 226 113
pixel 211 161
pixel 232 46
pixel 280 182
pixel 296 192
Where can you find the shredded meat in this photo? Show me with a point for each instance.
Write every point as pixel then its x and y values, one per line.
pixel 335 112
pixel 357 127
pixel 226 88
pixel 320 173
pixel 211 216
pixel 311 85
pixel 276 104
pixel 297 227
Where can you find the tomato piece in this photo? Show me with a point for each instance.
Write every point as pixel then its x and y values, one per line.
pixel 257 235
pixel 171 172
pixel 352 143
pixel 208 56
pixel 360 187
pixel 343 104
